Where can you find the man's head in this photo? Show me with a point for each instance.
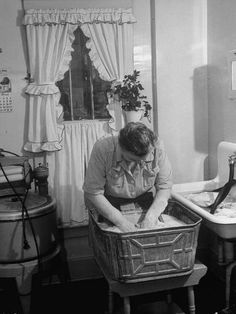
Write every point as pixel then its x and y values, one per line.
pixel 136 138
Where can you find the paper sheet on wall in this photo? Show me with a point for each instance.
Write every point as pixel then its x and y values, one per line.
pixel 6 105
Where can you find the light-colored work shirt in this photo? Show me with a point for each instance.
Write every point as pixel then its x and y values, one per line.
pixel 108 173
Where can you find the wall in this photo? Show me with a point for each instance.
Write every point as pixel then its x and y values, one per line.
pixel 222 110
pixel 182 85
pixel 44 4
pixel 181 75
pixel 142 47
pixel 13 125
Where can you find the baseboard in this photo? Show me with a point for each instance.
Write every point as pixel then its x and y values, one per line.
pixel 78 254
pixel 84 268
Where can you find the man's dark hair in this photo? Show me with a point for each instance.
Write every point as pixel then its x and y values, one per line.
pixel 137 138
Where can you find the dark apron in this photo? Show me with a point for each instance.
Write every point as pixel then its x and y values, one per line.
pixel 144 201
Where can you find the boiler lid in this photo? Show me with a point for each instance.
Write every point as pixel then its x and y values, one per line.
pixel 11 206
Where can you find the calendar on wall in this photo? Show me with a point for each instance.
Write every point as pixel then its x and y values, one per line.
pixel 5 92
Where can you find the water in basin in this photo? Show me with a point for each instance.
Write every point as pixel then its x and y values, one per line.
pixel 167 221
pixel 227 209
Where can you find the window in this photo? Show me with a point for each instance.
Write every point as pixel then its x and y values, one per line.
pixel 83 92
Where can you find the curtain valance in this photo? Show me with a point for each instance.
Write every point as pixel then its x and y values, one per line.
pixel 78 16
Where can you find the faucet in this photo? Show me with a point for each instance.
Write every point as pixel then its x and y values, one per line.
pixel 224 190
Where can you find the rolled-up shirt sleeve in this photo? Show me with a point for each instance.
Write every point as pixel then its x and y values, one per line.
pixel 164 179
pixel 95 173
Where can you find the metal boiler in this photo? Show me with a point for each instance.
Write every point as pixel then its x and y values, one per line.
pixel 42 213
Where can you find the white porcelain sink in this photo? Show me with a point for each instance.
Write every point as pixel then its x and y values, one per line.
pixel 223 226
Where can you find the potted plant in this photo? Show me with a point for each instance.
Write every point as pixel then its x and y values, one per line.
pixel 129 92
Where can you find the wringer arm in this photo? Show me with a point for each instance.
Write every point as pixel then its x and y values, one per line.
pixel 224 191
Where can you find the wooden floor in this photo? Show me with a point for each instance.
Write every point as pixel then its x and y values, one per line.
pixel 90 296
pixel 60 299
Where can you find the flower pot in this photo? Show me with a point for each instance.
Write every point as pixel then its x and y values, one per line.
pixel 133 116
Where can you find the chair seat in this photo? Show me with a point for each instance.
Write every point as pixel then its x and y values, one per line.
pixel 142 286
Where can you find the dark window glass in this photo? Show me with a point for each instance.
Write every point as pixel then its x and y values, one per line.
pixel 83 92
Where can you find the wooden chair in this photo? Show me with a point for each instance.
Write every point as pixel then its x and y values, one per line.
pixel 145 286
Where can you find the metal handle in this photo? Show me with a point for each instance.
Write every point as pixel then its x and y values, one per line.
pixel 232 158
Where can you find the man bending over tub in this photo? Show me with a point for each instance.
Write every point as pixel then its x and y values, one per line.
pixel 132 167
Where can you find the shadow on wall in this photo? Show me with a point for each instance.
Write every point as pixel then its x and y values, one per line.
pixel 204 115
pixel 200 114
pixel 217 95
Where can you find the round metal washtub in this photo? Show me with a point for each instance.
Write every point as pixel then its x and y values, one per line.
pixel 41 213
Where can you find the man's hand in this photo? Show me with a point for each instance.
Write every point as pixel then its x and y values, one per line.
pixel 151 221
pixel 126 226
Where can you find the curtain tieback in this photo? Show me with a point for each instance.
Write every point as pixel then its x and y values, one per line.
pixel 47 88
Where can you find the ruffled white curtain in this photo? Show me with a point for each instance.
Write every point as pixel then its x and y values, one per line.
pixel 49 56
pixel 111 51
pixel 50 36
pixel 68 166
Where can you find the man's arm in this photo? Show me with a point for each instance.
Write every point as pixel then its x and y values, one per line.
pixel 156 209
pixel 104 207
pixel 94 184
pixel 163 187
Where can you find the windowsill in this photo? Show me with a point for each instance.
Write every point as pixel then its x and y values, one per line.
pixel 86 121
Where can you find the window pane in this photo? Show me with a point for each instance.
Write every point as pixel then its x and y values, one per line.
pixel 82 87
pixel 99 95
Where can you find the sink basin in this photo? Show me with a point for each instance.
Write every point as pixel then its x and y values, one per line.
pixel 223 226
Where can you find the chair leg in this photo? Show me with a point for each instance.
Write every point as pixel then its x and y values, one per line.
pixel 191 300
pixel 110 301
pixel 229 269
pixel 169 298
pixel 126 305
